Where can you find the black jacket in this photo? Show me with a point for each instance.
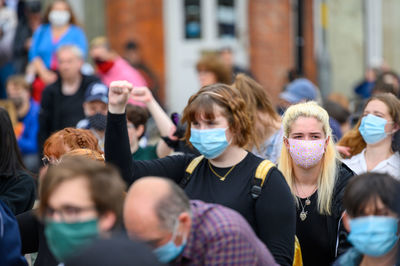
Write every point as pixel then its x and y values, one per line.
pixel 337 232
pixel 58 111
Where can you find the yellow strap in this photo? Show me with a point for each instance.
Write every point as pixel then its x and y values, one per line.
pixel 193 164
pixel 263 169
pixel 297 260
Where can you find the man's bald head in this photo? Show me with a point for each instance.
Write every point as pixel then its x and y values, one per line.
pixel 152 204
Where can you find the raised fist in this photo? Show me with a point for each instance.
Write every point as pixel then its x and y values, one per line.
pixel 118 95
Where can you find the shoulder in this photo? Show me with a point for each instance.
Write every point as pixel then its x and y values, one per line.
pixel 213 220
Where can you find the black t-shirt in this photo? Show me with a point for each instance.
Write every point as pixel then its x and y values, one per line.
pixel 312 234
pixel 272 215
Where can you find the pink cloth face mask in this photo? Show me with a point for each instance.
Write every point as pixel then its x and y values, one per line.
pixel 306 153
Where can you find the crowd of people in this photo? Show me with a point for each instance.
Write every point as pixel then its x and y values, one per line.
pixel 233 180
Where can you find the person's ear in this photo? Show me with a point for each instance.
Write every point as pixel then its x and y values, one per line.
pixel 139 131
pixel 107 221
pixel 346 221
pixel 327 142
pixel 286 142
pixel 183 230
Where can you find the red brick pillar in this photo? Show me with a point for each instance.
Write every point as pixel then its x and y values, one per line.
pixel 271 42
pixel 142 21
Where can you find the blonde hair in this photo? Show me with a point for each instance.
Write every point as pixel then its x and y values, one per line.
pixel 328 175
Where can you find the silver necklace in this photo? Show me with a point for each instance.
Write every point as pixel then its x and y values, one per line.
pixel 303 213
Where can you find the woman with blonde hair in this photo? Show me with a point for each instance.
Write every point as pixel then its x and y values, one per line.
pixel 267 134
pixel 309 162
pixel 219 127
pixel 374 140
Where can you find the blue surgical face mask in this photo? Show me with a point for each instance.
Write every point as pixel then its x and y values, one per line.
pixel 372 128
pixel 209 142
pixel 169 251
pixel 373 235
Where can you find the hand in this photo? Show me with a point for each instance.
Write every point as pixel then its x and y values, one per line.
pixel 141 94
pixel 118 95
pixel 346 151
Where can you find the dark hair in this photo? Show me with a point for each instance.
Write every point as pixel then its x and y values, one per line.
pixel 338 112
pixel 171 205
pixel 106 187
pixel 387 81
pixel 137 115
pixel 131 45
pixel 10 155
pixel 368 188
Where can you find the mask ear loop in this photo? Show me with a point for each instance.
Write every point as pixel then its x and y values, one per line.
pixel 175 233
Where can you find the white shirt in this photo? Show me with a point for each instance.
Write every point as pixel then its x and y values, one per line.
pixel 390 166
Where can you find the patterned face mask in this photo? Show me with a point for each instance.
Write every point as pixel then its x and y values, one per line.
pixel 306 153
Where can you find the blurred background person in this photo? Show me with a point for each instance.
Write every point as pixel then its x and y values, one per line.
pixel 339 119
pixel 267 136
pixel 17 186
pixel 8 25
pixel 310 164
pixel 211 70
pixel 19 92
pixel 95 109
pixel 28 21
pixel 110 66
pixel 133 54
pixel 374 140
pixel 137 117
pixel 60 27
pixel 299 90
pixel 227 57
pixel 387 81
pixel 62 103
pixel 80 200
pixel 372 219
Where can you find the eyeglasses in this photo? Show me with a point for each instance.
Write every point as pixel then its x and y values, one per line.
pixel 46 161
pixel 67 213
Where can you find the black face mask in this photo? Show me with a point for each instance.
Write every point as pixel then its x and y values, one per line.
pixel 98 122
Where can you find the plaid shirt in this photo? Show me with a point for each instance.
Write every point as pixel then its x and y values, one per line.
pixel 221 236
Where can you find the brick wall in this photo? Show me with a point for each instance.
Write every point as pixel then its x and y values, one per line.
pixel 271 42
pixel 141 20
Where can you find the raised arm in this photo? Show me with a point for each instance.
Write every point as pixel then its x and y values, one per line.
pixel 117 149
pixel 163 122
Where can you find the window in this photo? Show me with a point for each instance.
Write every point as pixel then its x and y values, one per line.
pixel 226 18
pixel 192 11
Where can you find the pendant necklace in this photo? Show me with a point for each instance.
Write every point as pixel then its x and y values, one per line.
pixel 222 178
pixel 303 213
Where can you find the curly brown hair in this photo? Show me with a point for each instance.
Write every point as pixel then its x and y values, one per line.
pixel 203 102
pixel 68 139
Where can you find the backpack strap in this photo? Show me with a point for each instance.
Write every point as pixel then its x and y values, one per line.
pixel 259 178
pixel 189 170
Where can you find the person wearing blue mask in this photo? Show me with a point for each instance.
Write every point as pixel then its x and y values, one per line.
pixel 372 220
pixel 219 128
pixel 374 141
pixel 80 200
pixel 183 232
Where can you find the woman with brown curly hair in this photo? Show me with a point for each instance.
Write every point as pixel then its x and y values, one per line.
pixel 219 127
